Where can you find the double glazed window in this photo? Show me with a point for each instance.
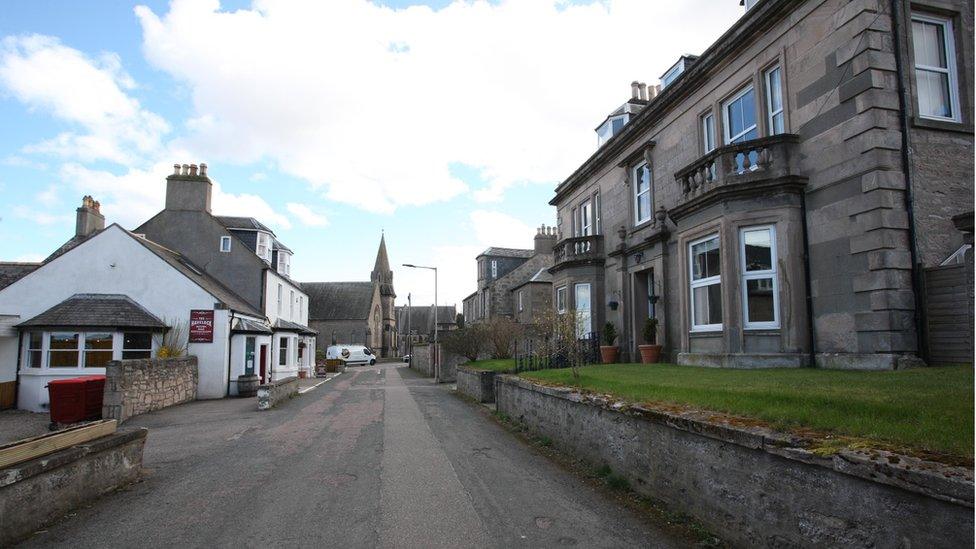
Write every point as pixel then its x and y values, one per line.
pixel 706 284
pixel 84 349
pixel 63 350
pixel 263 247
pixel 708 132
pixel 935 67
pixel 284 262
pixel 98 350
pixel 585 222
pixel 610 128
pixel 739 114
pixel 774 101
pixel 283 351
pixel 641 178
pixel 225 244
pixel 759 285
pixel 35 349
pixel 561 299
pixel 136 345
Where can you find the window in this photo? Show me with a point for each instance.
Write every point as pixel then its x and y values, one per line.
pixel 225 244
pixel 494 269
pixel 739 114
pixel 561 299
pixel 708 132
pixel 610 128
pixel 774 101
pixel 63 350
pixel 301 309
pixel 291 305
pixel 263 248
pixel 521 306
pixel 935 67
pixel 584 328
pixel 279 299
pixel 706 284
pixel 597 223
pixel 284 262
pixel 759 284
pixel 642 193
pixel 98 350
pixel 585 222
pixel 283 351
pixel 35 349
pixel 136 345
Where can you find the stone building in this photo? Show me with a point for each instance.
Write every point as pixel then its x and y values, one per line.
pixel 357 313
pixel 502 270
pixel 775 202
pixel 415 324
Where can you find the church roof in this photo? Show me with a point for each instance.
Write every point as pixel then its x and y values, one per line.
pixel 338 300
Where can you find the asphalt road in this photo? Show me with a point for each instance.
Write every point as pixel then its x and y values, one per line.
pixel 377 457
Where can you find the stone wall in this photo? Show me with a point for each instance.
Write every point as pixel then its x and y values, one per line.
pixel 36 492
pixel 420 360
pixel 476 384
pixel 134 387
pixel 449 366
pixel 753 486
pixel 272 394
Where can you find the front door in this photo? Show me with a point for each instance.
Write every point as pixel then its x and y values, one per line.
pixel 584 322
pixel 264 364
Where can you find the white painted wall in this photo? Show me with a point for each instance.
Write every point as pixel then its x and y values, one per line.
pixel 112 262
pixel 291 310
pixel 237 358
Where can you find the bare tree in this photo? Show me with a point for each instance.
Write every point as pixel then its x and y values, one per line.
pixel 501 335
pixel 468 342
pixel 561 341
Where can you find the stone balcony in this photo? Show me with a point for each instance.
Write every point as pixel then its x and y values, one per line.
pixel 750 167
pixel 579 250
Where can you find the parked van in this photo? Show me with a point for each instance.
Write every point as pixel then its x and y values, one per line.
pixel 351 354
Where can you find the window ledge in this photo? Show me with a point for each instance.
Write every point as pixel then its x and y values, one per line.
pixel 944 125
pixel 705 331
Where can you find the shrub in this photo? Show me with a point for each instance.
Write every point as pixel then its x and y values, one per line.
pixel 609 333
pixel 468 342
pixel 650 331
pixel 173 342
pixel 501 335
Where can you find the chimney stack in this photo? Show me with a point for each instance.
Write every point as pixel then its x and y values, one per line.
pixel 545 239
pixel 634 90
pixel 188 188
pixel 89 219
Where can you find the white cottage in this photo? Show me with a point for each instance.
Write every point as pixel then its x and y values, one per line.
pixel 109 294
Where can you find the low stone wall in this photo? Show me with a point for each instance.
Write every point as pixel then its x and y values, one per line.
pixel 134 387
pixel 36 492
pixel 420 359
pixel 476 384
pixel 753 486
pixel 449 366
pixel 272 394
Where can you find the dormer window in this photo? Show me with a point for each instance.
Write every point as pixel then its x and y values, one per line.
pixel 225 244
pixel 284 263
pixel 677 70
pixel 263 247
pixel 610 128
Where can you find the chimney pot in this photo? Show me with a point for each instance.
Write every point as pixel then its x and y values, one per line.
pixel 634 90
pixel 176 169
pixel 193 169
pixel 203 169
pixel 643 91
pixel 185 170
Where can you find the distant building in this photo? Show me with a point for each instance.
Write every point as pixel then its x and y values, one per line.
pixel 415 324
pixel 358 313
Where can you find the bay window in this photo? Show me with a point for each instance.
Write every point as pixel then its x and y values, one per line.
pixel 136 345
pixel 935 67
pixel 775 121
pixel 641 178
pixel 705 274
pixel 35 349
pixel 63 350
pixel 760 300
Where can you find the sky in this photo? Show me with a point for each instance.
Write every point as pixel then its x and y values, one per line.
pixel 444 125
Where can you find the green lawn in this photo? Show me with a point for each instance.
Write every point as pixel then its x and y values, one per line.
pixel 924 411
pixel 502 365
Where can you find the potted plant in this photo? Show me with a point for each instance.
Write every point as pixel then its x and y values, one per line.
pixel 609 351
pixel 651 351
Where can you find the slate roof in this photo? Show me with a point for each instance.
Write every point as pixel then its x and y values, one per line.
pixel 68 246
pixel 542 276
pixel 97 310
pixel 338 300
pixel 247 223
pixel 286 326
pixel 11 272
pixel 507 252
pixel 422 317
pixel 522 274
pixel 248 326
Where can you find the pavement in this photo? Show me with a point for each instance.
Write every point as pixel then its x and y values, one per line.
pixel 376 457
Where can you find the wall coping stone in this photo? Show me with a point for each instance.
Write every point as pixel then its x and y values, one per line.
pixel 39 465
pixel 936 480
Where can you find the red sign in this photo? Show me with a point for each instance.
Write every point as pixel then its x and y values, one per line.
pixel 201 326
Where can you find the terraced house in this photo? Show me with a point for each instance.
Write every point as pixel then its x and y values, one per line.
pixel 777 201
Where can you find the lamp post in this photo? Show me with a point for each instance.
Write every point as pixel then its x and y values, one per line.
pixel 437 355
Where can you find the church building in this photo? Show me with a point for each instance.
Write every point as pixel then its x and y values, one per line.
pixel 356 313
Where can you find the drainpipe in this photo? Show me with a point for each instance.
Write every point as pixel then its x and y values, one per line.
pixel 906 162
pixel 230 348
pixel 811 329
pixel 20 356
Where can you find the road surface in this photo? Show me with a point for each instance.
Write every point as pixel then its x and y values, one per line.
pixel 377 457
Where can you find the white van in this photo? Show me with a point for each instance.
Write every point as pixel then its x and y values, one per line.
pixel 351 354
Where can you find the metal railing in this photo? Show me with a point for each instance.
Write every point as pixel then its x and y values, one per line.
pixel 533 354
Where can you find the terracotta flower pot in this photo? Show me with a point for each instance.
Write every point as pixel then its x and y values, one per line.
pixel 650 354
pixel 609 354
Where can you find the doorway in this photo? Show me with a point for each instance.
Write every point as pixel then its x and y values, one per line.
pixel 264 364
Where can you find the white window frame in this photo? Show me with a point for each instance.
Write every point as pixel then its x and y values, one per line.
pixel 597 222
pixel 580 331
pixel 225 244
pixel 585 221
pixel 770 113
pixel 494 268
pixel 283 339
pixel 262 246
pixel 729 139
pixel 635 178
pixel 284 262
pixel 704 282
pixel 709 142
pixel 608 126
pixel 759 275
pixel 279 298
pixel 291 305
pixel 950 69
pixel 29 350
pixel 561 293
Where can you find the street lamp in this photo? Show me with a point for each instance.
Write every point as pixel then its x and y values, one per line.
pixel 437 354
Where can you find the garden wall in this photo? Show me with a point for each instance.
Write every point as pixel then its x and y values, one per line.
pixel 420 359
pixel 272 394
pixel 134 387
pixel 476 384
pixel 753 486
pixel 36 492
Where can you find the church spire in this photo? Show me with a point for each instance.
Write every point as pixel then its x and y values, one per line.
pixel 382 261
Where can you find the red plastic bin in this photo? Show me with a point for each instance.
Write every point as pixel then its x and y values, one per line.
pixel 94 391
pixel 67 399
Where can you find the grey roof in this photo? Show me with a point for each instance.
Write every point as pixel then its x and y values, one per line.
pixel 421 318
pixel 338 300
pixel 507 252
pixel 248 326
pixel 525 272
pixel 277 245
pixel 199 276
pixel 287 326
pixel 246 223
pixel 11 271
pixel 542 277
pixel 97 310
pixel 68 246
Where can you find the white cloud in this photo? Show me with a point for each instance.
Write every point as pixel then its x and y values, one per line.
pixel 368 101
pixel 41 217
pixel 49 196
pixel 306 215
pixel 90 94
